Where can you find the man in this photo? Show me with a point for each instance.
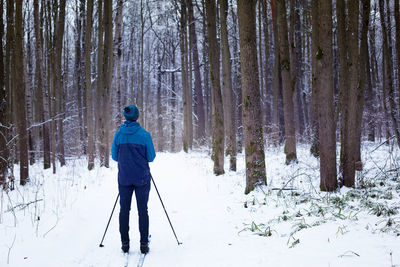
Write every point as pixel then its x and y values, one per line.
pixel 133 149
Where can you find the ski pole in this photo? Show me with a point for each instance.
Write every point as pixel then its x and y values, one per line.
pixel 179 243
pixel 101 244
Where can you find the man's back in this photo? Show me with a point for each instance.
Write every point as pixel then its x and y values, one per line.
pixel 133 149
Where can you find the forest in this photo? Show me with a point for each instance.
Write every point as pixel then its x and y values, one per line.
pixel 271 118
pixel 226 77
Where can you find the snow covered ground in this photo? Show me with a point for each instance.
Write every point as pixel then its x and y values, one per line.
pixel 58 220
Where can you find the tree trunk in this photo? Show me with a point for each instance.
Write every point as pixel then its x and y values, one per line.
pixel 184 71
pixel 315 73
pixel 58 42
pixel 173 103
pixel 218 141
pixel 207 89
pixel 325 95
pixel 277 74
pixel 118 56
pixel 107 82
pixel 236 82
pixel 10 86
pixel 362 72
pixel 252 116
pixel 287 84
pixel 198 95
pixel 88 84
pixel 343 76
pixel 160 132
pixel 299 111
pixel 293 64
pixel 140 103
pixel 50 82
pixel 268 90
pixel 29 92
pixel 229 120
pixel 371 85
pixel 259 25
pixel 78 80
pixel 397 23
pixel 19 96
pixel 388 69
pixel 3 109
pixel 100 83
pixel 348 60
pixel 42 95
pixel 189 96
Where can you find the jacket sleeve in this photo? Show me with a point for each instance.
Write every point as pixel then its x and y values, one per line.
pixel 150 153
pixel 114 147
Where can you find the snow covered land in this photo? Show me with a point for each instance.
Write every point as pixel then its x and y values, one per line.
pixel 58 220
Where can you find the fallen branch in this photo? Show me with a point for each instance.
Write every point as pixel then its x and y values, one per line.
pixel 23 205
pixel 349 253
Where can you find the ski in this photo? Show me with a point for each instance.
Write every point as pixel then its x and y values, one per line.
pixel 126 256
pixel 141 260
pixel 143 256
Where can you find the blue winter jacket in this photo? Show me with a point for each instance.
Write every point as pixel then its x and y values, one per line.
pixel 133 149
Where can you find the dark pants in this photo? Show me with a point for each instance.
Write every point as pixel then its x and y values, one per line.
pixel 142 197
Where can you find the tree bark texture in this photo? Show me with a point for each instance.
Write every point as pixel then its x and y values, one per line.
pixel 50 81
pixel 198 90
pixel 229 114
pixel 325 95
pixel 349 70
pixel 237 87
pixel 118 57
pixel 160 132
pixel 276 80
pixel 88 84
pixel 397 23
pixel 218 142
pixel 363 73
pixel 19 96
pixel 287 84
pixel 3 109
pixel 388 70
pixel 298 99
pixel 314 82
pixel 267 69
pixel 58 42
pixel 252 115
pixel 107 83
pixel 184 71
pixel 78 77
pixel 100 82
pixel 42 95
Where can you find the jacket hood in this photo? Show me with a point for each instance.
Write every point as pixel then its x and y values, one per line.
pixel 129 127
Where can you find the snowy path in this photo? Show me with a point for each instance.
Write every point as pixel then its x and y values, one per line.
pixel 206 211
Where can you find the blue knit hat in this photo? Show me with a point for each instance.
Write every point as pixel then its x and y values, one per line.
pixel 131 113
